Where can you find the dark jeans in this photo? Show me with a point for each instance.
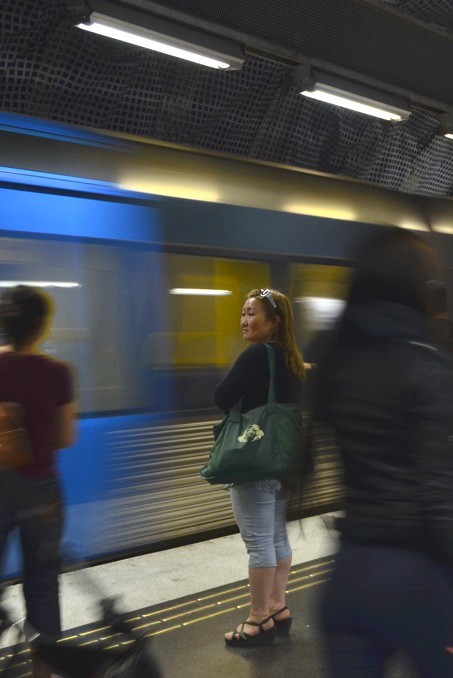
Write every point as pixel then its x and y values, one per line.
pixel 35 508
pixel 383 599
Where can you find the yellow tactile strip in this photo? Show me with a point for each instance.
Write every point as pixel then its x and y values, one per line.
pixel 176 616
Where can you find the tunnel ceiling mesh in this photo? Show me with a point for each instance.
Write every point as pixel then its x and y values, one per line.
pixel 438 12
pixel 422 7
pixel 53 71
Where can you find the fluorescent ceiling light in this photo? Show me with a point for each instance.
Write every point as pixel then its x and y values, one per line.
pixel 338 97
pixel 338 91
pixel 449 136
pixel 200 292
pixel 135 36
pixel 33 283
pixel 158 34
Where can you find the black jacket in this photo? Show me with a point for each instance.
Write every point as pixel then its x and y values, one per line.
pixel 249 377
pixel 389 395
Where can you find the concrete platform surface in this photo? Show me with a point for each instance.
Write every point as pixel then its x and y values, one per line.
pixel 186 636
pixel 158 577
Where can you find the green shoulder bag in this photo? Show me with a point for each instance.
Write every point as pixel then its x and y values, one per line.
pixel 265 442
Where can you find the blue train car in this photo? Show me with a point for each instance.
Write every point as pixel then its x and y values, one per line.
pixel 149 289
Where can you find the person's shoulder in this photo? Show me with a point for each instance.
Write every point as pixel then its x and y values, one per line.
pixel 254 353
pixel 255 348
pixel 259 351
pixel 56 366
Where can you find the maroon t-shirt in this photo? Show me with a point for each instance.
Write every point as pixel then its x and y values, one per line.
pixel 40 385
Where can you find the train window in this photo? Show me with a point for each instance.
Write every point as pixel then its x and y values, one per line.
pixel 205 311
pixel 85 280
pixel 199 336
pixel 318 293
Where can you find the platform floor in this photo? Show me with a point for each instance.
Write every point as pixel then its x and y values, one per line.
pixel 187 634
pixel 186 598
pixel 158 577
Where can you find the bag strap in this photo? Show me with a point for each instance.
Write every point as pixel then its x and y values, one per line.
pixel 238 406
pixel 271 396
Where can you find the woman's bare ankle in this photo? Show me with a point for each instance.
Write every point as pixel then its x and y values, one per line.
pixel 279 611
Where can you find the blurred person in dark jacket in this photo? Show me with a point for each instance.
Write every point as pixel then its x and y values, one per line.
pixel 386 389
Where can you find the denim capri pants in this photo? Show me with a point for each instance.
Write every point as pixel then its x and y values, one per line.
pixel 259 508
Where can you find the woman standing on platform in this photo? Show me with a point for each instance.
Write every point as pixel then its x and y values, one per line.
pixel 259 507
pixel 30 498
pixel 387 391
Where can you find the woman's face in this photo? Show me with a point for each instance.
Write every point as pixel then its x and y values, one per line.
pixel 255 325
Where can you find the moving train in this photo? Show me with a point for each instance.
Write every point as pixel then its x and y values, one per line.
pixel 149 250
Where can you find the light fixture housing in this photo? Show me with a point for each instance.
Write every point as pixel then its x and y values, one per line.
pixel 127 24
pixel 446 125
pixel 352 95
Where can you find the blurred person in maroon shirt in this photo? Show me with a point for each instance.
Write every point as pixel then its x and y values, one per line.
pixel 30 496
